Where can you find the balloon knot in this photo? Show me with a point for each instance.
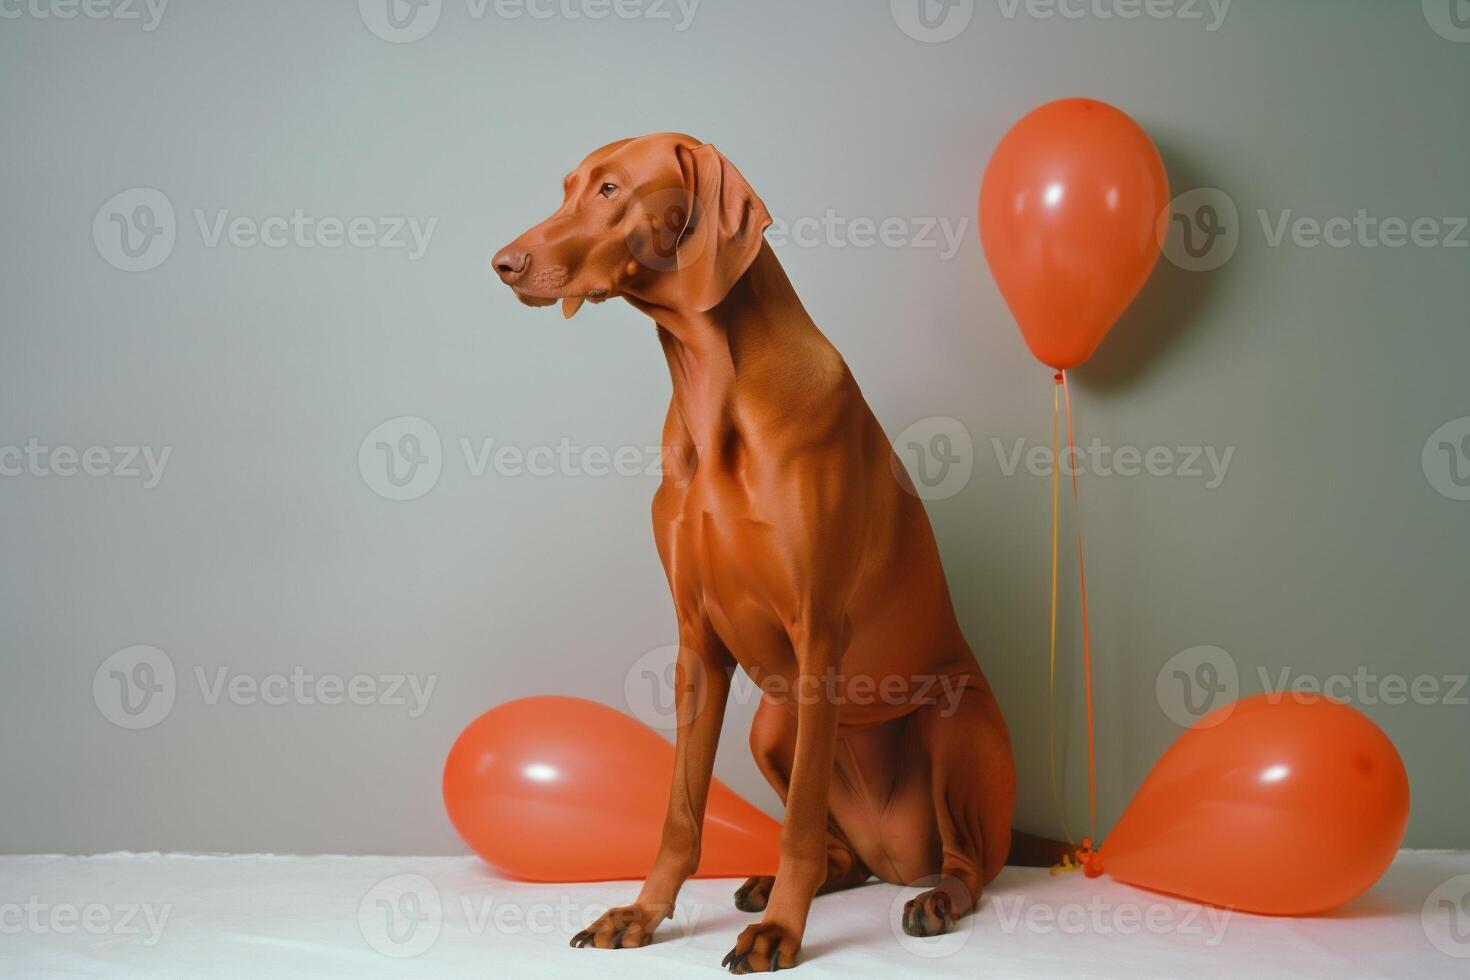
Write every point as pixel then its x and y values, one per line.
pixel 1057 377
pixel 1089 859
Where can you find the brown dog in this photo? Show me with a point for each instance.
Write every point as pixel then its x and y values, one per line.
pixel 795 547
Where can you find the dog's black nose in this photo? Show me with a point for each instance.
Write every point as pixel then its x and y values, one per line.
pixel 511 264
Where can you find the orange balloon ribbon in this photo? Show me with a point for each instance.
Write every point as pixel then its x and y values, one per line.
pixel 1051 673
pixel 1085 855
pixel 1086 631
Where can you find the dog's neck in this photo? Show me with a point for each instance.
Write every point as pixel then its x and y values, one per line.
pixel 758 348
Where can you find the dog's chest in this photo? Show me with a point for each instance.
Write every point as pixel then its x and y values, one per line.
pixel 726 558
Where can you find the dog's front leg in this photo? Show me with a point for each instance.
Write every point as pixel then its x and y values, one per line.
pixel 772 943
pixel 701 688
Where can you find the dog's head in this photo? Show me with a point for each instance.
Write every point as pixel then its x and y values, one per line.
pixel 664 219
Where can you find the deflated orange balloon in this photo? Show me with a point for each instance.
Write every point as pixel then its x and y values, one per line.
pixel 565 789
pixel 1068 208
pixel 1286 808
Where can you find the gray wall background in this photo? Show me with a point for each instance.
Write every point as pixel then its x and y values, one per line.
pixel 1334 546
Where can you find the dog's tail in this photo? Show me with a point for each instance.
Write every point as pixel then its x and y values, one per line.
pixel 1031 851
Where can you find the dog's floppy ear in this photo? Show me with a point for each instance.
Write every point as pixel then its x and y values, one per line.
pixel 725 224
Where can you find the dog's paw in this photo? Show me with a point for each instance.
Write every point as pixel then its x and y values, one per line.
pixel 763 948
pixel 929 914
pixel 624 927
pixel 753 895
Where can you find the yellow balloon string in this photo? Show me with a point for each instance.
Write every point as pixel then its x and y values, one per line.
pixel 1051 680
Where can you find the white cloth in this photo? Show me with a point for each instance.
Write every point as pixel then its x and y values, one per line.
pixel 151 915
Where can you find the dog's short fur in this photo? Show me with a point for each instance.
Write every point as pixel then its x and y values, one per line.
pixel 795 547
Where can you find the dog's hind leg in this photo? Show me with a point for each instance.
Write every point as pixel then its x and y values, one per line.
pixel 773 743
pixel 973 782
pixel 844 870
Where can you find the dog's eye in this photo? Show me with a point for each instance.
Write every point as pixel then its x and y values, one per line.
pixel 608 190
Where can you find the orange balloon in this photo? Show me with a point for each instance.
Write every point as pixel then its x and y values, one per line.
pixel 565 789
pixel 1285 808
pixel 1068 208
